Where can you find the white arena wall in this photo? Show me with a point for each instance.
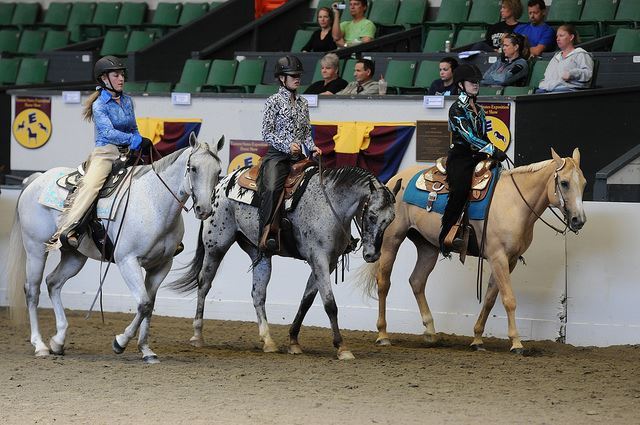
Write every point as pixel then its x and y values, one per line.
pixel 596 268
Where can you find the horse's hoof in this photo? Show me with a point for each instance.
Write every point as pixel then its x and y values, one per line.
pixel 345 355
pixel 295 349
pixel 151 359
pixel 383 342
pixel 43 352
pixel 270 347
pixel 56 348
pixel 519 351
pixel 117 348
pixel 478 347
pixel 196 342
pixel 431 340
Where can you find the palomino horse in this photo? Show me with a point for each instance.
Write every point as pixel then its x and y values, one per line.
pixel 514 210
pixel 321 223
pixel 151 230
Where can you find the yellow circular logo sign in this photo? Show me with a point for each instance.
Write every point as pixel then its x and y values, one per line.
pixel 498 133
pixel 243 160
pixel 32 128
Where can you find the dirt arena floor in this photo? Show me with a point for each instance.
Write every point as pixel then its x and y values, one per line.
pixel 230 380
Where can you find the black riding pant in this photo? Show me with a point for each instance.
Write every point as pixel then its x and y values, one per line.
pixel 461 162
pixel 274 170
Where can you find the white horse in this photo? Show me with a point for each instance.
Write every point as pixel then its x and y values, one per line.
pixel 151 231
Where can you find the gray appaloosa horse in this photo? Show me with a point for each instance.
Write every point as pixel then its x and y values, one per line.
pixel 321 237
pixel 151 230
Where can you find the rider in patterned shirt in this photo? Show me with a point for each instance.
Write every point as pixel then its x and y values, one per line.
pixel 469 145
pixel 285 127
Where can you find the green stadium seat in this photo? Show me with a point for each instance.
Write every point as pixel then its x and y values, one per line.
pixel 194 74
pixel 593 13
pixel 132 14
pixel 516 91
pixel 135 86
pixel 57 14
pixel 426 73
pixel 267 89
pixel 139 39
pixel 490 91
pixel 627 16
pixel 300 39
pixel 436 38
pixel 25 14
pixel 412 12
pixel 525 11
pixel 81 14
pixel 106 15
pixel 467 36
pixel 222 73
pixel 8 70
pixel 399 74
pixel 31 42
pixel 158 87
pixel 384 12
pixel 347 72
pixel 626 41
pixel 32 71
pixel 484 11
pixel 9 39
pixel 167 14
pixel 192 11
pixel 537 73
pixel 564 11
pixel 115 43
pixel 248 75
pixel 55 39
pixel 453 11
pixel 6 13
pixel 215 4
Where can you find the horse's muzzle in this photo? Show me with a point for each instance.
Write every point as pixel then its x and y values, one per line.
pixel 202 213
pixel 371 258
pixel 576 223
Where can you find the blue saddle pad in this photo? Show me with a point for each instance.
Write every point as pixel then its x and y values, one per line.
pixel 477 209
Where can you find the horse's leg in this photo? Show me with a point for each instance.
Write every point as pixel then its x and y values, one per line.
pixel 306 302
pixel 35 268
pixel 70 264
pixel 501 270
pixel 212 260
pixel 261 276
pixel 427 257
pixel 132 274
pixel 153 279
pixel 394 235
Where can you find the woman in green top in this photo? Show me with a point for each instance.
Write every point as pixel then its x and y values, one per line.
pixel 358 30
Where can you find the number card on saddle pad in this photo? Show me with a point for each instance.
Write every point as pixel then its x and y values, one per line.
pixel 428 189
pixel 241 185
pixel 54 196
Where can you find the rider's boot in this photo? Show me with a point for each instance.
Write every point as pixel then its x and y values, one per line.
pixel 70 238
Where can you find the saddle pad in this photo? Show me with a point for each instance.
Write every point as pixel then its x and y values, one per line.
pixel 477 209
pixel 53 196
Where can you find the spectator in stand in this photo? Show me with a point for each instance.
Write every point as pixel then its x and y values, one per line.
pixel 512 69
pixel 364 83
pixel 571 68
pixel 445 86
pixel 356 31
pixel 539 34
pixel 322 40
pixel 510 12
pixel 331 82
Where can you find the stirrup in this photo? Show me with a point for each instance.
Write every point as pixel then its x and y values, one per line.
pixel 270 245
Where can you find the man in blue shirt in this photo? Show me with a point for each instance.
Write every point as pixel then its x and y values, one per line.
pixel 540 35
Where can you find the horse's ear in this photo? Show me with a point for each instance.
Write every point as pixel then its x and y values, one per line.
pixel 193 141
pixel 397 187
pixel 576 156
pixel 220 143
pixel 556 158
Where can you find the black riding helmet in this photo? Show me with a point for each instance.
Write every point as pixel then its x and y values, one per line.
pixel 466 72
pixel 104 66
pixel 288 65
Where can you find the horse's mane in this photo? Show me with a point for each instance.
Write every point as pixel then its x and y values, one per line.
pixel 531 168
pixel 346 175
pixel 161 164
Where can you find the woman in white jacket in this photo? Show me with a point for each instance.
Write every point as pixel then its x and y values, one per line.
pixel 571 68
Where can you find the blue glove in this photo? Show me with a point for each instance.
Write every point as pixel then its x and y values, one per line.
pixel 135 143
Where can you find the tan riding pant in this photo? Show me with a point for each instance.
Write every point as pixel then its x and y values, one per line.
pixel 99 166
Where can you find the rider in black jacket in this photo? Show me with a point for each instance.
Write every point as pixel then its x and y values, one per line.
pixel 469 145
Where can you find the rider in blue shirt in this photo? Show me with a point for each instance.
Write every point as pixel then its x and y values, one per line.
pixel 115 131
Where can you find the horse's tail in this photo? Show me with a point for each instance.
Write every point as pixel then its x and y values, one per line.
pixel 189 281
pixel 17 265
pixel 366 279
